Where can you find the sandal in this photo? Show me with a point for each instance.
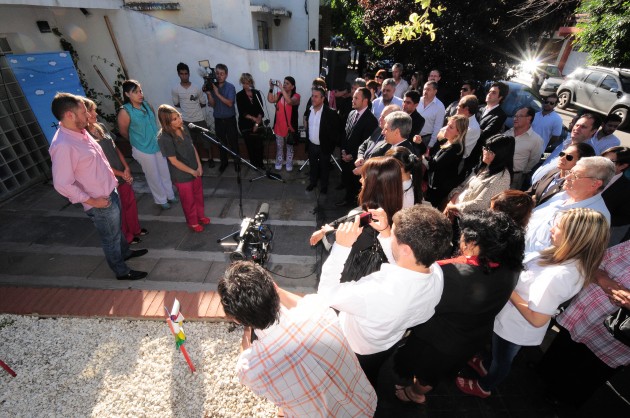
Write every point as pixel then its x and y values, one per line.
pixel 476 363
pixel 204 221
pixel 196 228
pixel 471 387
pixel 406 394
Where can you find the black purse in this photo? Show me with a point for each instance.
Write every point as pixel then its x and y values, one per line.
pixel 366 256
pixel 618 324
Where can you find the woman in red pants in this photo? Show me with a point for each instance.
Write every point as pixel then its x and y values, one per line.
pixel 184 165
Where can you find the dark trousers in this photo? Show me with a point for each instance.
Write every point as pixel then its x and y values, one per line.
pixel 372 363
pixel 227 133
pixel 571 371
pixel 350 181
pixel 318 161
pixel 254 145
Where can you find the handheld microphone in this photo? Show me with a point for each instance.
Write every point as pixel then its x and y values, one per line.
pixel 348 218
pixel 199 128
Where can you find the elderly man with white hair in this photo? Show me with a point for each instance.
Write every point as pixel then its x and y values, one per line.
pixel 582 189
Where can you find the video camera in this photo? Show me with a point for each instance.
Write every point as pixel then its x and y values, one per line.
pixel 208 74
pixel 254 238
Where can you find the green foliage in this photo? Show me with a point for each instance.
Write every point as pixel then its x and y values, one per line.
pixel 605 33
pixel 91 93
pixel 416 26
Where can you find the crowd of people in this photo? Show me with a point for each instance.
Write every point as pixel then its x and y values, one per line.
pixel 463 239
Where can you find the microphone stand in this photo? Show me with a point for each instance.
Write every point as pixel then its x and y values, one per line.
pixel 268 172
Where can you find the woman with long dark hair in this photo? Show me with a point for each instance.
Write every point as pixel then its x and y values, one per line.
pixel 136 123
pixel 490 177
pixel 477 284
pixel 287 102
pixel 411 175
pixel 381 187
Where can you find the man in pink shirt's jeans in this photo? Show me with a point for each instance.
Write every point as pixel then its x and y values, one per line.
pixel 82 174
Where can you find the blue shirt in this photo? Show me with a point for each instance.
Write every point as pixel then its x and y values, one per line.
pixel 221 111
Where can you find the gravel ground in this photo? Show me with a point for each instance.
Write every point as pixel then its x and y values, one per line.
pixel 69 367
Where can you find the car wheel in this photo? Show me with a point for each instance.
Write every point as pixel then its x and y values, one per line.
pixel 622 112
pixel 564 99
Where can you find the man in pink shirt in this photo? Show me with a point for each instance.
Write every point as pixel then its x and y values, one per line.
pixel 82 174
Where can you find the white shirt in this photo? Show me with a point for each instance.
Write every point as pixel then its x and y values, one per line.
pixel 376 311
pixel 401 88
pixel 547 126
pixel 433 115
pixel 408 197
pixel 488 108
pixel 538 236
pixel 314 120
pixel 472 136
pixel 544 288
pixel 189 100
pixel 601 145
pixel 378 105
pixel 526 150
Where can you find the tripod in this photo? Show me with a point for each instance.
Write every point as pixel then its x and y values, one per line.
pixel 237 164
pixel 332 158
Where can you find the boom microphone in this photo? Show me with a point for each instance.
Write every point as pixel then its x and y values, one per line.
pixel 198 128
pixel 263 212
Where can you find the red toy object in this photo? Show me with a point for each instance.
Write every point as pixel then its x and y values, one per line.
pixel 7 368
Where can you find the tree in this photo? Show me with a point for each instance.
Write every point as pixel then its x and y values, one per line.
pixel 605 32
pixel 475 40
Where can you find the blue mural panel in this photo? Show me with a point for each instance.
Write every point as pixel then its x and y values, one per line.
pixel 41 76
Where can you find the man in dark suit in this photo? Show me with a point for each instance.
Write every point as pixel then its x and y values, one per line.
pixel 616 193
pixel 396 131
pixel 410 104
pixel 491 119
pixel 321 131
pixel 360 125
pixel 377 138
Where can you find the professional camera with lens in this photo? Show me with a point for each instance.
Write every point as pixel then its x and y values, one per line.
pixel 208 74
pixel 254 238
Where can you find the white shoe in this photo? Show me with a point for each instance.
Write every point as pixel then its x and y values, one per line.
pixel 289 167
pixel 278 166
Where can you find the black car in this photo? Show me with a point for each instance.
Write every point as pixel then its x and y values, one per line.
pixel 599 89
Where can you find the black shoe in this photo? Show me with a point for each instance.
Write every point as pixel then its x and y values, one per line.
pixel 133 275
pixel 323 190
pixel 136 253
pixel 340 187
pixel 135 240
pixel 143 232
pixel 342 203
pixel 211 163
pixel 310 187
pixel 222 167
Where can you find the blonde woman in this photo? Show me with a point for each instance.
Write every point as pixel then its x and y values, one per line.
pixel 444 165
pixel 129 210
pixel 184 165
pixel 551 277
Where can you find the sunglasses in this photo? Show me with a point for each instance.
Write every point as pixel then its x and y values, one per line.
pixel 380 76
pixel 550 103
pixel 487 149
pixel 569 157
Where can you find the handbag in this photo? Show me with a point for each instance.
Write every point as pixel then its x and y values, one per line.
pixel 291 135
pixel 618 325
pixel 366 256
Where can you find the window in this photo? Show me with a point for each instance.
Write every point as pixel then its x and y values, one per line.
pixel 593 78
pixel 263 35
pixel 5 48
pixel 609 83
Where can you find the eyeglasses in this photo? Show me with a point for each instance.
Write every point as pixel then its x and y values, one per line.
pixel 486 149
pixel 380 76
pixel 464 89
pixel 569 157
pixel 576 177
pixel 550 103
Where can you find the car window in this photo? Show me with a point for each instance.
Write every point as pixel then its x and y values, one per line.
pixel 553 71
pixel 625 82
pixel 609 83
pixel 593 78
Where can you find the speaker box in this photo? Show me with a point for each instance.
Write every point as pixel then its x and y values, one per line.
pixel 335 67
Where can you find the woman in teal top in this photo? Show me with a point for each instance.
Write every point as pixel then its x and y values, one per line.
pixel 137 123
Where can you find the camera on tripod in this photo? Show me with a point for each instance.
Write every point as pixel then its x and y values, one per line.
pixel 254 238
pixel 208 74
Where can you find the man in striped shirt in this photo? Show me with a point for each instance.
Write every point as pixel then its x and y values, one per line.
pixel 300 360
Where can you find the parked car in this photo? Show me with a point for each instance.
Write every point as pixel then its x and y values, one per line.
pixel 599 89
pixel 519 96
pixel 547 76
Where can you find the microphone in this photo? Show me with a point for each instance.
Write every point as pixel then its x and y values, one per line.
pixel 344 219
pixel 263 212
pixel 199 128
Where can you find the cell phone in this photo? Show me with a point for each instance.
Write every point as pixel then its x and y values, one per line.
pixel 365 218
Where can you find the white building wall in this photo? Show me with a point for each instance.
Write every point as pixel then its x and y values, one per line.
pixel 576 59
pixel 151 49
